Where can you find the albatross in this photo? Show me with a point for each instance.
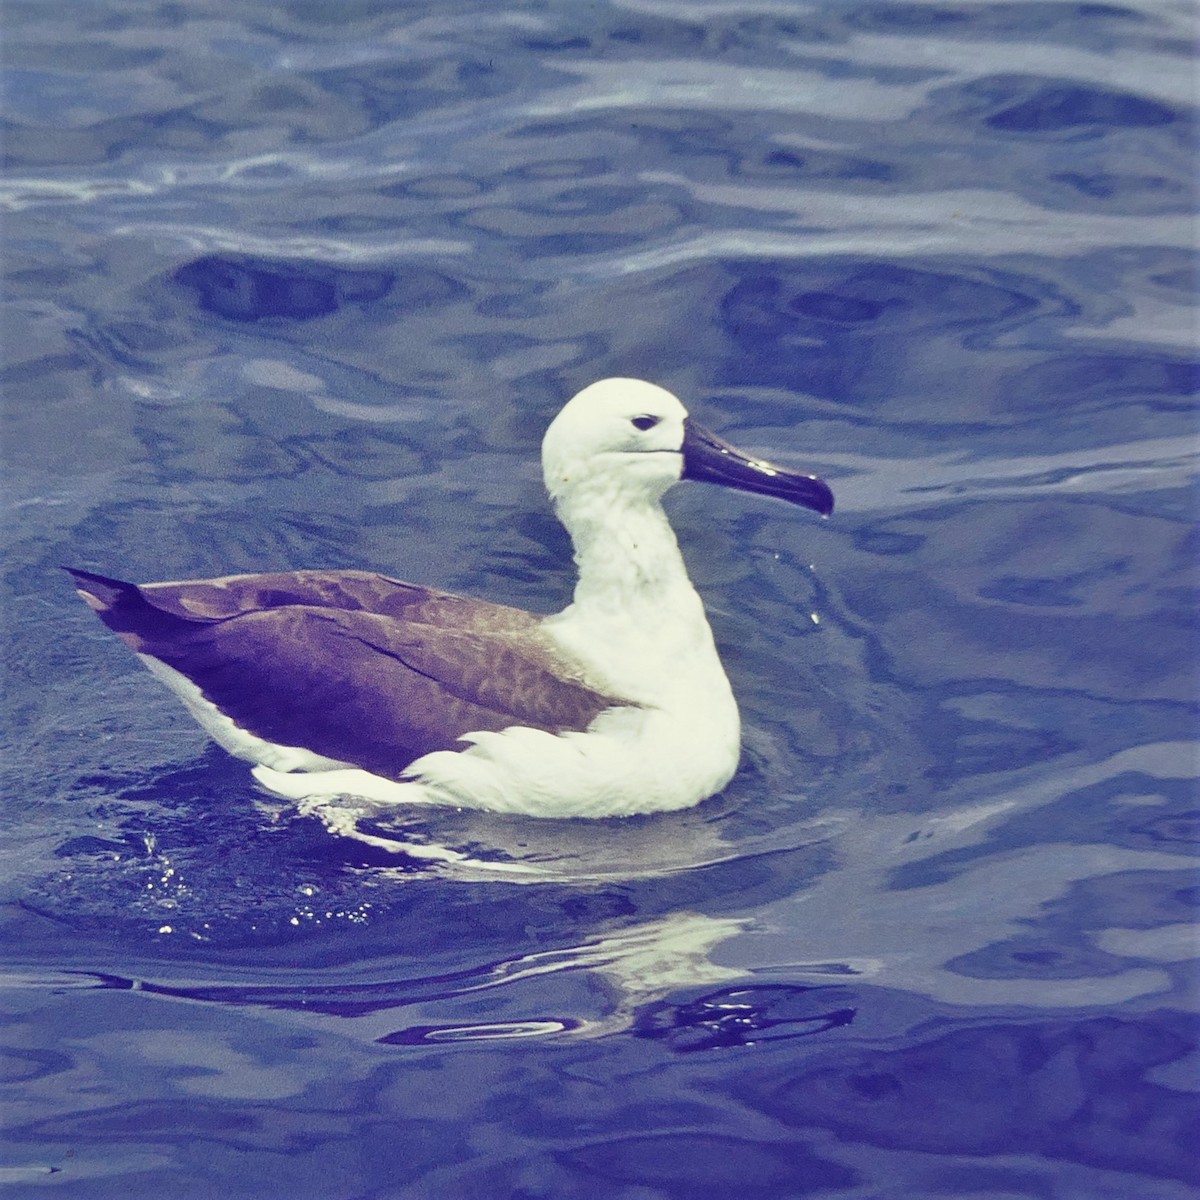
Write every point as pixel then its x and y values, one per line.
pixel 351 683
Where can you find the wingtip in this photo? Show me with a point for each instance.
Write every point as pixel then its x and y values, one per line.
pixel 99 591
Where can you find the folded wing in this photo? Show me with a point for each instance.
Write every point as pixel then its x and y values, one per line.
pixel 350 665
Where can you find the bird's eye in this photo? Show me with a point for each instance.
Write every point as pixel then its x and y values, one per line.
pixel 644 423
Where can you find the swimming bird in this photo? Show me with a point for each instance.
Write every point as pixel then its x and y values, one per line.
pixel 355 684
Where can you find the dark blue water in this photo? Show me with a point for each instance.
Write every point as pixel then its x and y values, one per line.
pixel 300 285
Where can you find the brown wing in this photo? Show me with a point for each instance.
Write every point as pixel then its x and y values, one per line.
pixel 369 688
pixel 343 591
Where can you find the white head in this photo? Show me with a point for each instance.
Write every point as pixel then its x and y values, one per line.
pixel 624 435
pixel 625 439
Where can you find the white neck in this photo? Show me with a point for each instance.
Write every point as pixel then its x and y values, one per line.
pixel 636 624
pixel 628 559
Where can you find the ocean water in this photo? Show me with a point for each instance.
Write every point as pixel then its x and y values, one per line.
pixel 300 285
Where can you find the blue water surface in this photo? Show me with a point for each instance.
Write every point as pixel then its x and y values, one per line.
pixel 299 284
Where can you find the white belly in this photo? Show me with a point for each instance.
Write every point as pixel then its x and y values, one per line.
pixel 628 761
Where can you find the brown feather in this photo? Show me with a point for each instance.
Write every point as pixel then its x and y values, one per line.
pixel 350 665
